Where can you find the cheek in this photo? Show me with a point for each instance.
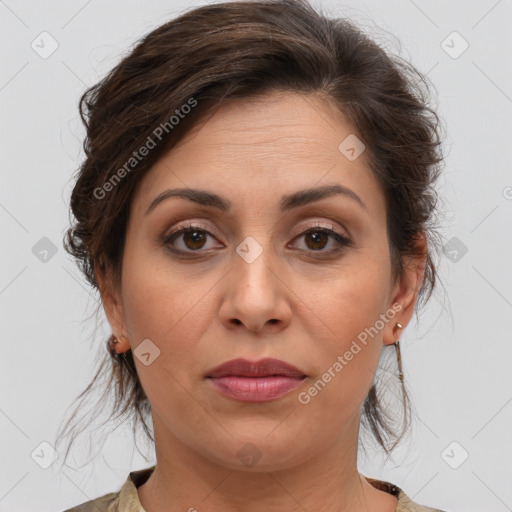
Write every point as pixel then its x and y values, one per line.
pixel 164 308
pixel 164 305
pixel 354 297
pixel 353 307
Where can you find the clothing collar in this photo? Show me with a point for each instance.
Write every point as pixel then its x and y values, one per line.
pixel 129 499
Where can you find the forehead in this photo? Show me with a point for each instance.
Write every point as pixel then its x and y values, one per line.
pixel 264 147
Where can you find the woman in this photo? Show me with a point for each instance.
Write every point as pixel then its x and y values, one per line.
pixel 256 210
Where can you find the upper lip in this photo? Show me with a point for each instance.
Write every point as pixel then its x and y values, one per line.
pixel 262 368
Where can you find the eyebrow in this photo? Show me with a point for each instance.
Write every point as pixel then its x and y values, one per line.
pixel 288 202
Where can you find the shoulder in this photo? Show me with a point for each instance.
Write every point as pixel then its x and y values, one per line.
pixel 125 500
pixel 405 504
pixel 107 503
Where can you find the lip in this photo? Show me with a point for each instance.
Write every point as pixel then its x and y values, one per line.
pixel 259 381
pixel 267 367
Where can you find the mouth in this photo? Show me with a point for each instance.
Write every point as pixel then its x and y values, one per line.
pixel 260 381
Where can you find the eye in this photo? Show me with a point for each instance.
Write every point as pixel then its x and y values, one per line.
pixel 317 239
pixel 193 238
pixel 190 238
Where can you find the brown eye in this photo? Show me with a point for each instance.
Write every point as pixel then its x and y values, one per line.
pixel 189 239
pixel 318 239
pixel 194 239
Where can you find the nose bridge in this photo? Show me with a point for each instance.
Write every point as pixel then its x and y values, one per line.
pixel 253 271
pixel 255 295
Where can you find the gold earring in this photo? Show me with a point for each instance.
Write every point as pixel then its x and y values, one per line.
pixel 398 356
pixel 110 345
pixel 126 343
pixel 113 340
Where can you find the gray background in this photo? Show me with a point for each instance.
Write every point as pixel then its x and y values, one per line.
pixel 456 359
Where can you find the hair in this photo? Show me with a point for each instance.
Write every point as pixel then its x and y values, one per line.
pixel 207 57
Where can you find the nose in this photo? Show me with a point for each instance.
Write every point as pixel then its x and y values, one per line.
pixel 256 296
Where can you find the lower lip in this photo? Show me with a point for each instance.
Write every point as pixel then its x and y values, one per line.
pixel 255 389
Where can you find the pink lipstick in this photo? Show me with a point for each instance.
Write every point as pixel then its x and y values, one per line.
pixel 260 381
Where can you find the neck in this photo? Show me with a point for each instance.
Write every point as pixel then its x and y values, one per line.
pixel 184 479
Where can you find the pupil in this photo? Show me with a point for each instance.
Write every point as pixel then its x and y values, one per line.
pixel 318 237
pixel 197 237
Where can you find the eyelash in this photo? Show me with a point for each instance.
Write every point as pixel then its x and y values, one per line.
pixel 343 241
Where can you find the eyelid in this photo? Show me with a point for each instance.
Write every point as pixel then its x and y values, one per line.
pixel 198 224
pixel 326 224
pixel 300 230
pixel 192 223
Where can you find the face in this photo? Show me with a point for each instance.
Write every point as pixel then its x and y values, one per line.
pixel 261 271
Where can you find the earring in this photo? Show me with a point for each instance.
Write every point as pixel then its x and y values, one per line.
pixel 113 340
pixel 398 356
pixel 110 345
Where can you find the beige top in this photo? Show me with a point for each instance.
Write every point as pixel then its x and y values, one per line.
pixel 127 499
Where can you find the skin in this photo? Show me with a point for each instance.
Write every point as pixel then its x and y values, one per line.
pixel 291 303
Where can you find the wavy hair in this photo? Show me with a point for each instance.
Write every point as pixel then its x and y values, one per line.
pixel 216 53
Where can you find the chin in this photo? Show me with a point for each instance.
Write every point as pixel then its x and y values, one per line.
pixel 260 453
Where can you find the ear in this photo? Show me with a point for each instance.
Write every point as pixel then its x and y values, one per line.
pixel 112 305
pixel 406 290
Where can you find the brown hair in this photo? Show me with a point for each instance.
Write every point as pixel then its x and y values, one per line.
pixel 205 58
